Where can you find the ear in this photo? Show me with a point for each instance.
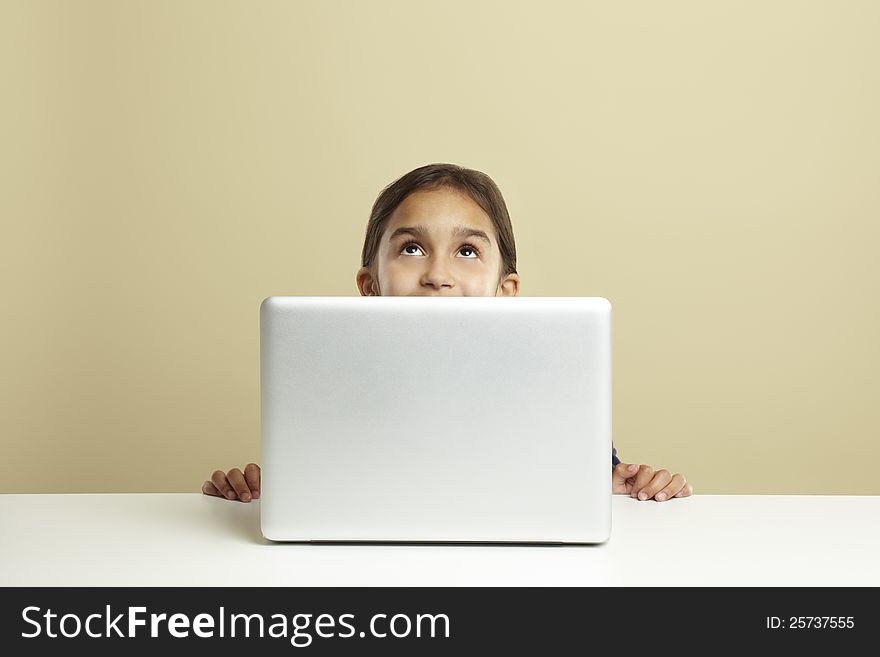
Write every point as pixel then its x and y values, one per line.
pixel 366 283
pixel 508 287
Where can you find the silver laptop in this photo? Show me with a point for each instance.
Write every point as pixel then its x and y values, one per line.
pixel 436 419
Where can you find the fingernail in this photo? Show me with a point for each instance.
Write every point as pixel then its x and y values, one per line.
pixel 643 496
pixel 245 497
pixel 633 467
pixel 255 494
pixel 661 497
pixel 230 495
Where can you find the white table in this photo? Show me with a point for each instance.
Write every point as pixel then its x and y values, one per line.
pixel 193 539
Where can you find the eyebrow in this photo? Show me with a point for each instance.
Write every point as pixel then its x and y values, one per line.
pixel 421 231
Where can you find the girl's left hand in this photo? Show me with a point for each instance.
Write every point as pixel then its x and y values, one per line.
pixel 643 483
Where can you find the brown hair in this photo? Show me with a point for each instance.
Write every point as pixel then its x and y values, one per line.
pixel 480 187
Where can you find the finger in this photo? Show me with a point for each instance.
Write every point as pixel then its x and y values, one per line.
pixel 687 491
pixel 658 482
pixel 622 473
pixel 643 478
pixel 210 489
pixel 222 484
pixel 236 478
pixel 672 488
pixel 252 477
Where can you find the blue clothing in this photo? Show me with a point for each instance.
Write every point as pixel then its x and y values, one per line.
pixel 614 459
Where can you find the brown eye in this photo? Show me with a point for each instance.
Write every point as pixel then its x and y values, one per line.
pixel 411 245
pixel 473 253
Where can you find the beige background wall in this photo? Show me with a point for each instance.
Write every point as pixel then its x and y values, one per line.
pixel 713 168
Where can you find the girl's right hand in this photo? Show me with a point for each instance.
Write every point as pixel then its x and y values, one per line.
pixel 235 485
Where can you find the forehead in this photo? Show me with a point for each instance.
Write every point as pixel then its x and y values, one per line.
pixel 440 211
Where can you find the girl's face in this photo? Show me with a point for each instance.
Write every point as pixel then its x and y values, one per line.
pixel 438 242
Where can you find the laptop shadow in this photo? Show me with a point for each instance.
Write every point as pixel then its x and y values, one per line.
pixel 507 544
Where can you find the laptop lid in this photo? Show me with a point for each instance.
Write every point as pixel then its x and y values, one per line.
pixel 466 419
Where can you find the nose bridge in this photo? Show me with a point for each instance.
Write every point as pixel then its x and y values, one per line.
pixel 437 271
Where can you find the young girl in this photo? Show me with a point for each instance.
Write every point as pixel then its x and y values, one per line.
pixel 442 230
